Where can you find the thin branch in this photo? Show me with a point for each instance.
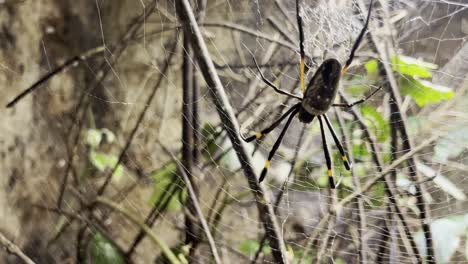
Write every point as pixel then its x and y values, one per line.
pixel 230 124
pixel 387 170
pixel 357 185
pixel 193 197
pixel 279 197
pixel 249 31
pixel 384 54
pixel 67 64
pixel 192 234
pixel 389 185
pixel 131 216
pixel 10 247
pixel 140 118
pixel 159 207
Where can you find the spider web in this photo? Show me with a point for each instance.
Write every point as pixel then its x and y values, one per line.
pixel 84 140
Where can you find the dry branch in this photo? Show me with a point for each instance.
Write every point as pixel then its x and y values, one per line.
pixel 230 124
pixel 14 249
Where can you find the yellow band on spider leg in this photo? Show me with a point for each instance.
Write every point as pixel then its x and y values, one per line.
pixel 344 158
pixel 267 164
pixel 330 173
pixel 258 134
pixel 301 75
pixel 344 70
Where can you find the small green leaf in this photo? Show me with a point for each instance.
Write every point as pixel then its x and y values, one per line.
pixel 102 251
pixel 377 196
pixel 360 152
pixel 162 182
pixel 424 92
pixel 412 67
pixel 249 247
pixel 93 137
pixel 103 161
pixel 376 122
pixel 209 135
pixel 372 67
pixel 339 261
pixel 357 90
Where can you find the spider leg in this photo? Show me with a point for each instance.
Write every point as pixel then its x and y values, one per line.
pixel 278 90
pixel 277 144
pixel 358 41
pixel 301 45
pixel 358 101
pixel 272 126
pixel 337 143
pixel 327 154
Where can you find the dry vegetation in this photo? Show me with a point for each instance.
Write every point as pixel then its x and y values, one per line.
pixel 129 107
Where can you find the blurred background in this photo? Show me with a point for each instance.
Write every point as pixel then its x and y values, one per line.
pixel 93 159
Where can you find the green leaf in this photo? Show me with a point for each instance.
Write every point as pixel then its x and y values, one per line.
pixel 360 151
pixel 249 247
pixel 412 67
pixel 209 135
pixel 93 137
pixel 424 92
pixel 162 184
pixel 376 122
pixel 102 251
pixel 377 196
pixel 372 67
pixel 103 161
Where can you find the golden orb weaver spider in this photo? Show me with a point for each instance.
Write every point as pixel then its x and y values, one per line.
pixel 317 98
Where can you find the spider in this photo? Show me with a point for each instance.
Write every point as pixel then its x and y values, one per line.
pixel 317 98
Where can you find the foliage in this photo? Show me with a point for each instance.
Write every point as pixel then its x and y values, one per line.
pixel 249 247
pixel 101 160
pixel 413 80
pixel 164 179
pixel 102 251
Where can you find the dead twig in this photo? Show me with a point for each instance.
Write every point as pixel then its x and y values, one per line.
pixel 193 197
pixel 227 116
pixel 14 249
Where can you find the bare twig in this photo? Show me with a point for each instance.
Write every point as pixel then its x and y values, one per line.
pixel 192 234
pixel 387 170
pixel 229 121
pixel 389 186
pixel 67 64
pixel 134 219
pixel 140 118
pixel 105 67
pixel 249 31
pixel 357 185
pixel 158 208
pixel 279 197
pixel 384 54
pixel 193 197
pixel 14 249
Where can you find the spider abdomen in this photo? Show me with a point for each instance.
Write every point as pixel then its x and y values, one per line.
pixel 321 90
